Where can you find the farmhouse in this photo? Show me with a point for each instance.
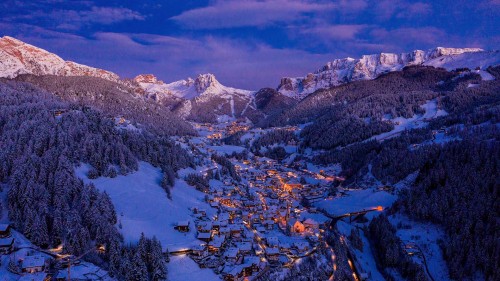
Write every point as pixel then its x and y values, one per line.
pixel 4 230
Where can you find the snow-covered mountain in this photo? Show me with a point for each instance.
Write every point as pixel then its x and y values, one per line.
pixel 17 57
pixel 345 70
pixel 200 99
pixel 203 85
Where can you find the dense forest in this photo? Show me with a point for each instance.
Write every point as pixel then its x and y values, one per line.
pixel 39 150
pixel 113 99
pixel 390 252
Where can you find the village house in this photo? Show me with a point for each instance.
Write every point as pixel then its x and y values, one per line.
pixel 225 231
pixel 272 241
pixel 199 251
pixel 245 248
pixel 272 254
pixel 205 226
pixel 33 264
pixel 6 245
pixel 182 226
pixel 205 236
pixel 216 244
pixel 302 247
pixel 231 255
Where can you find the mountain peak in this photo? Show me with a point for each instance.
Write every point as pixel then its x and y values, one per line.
pixel 18 57
pixel 147 78
pixel 205 81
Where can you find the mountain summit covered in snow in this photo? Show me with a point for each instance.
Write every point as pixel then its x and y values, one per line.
pixel 202 85
pixel 367 67
pixel 17 57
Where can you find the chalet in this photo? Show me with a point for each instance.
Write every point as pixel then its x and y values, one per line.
pixel 205 227
pixel 235 230
pixel 272 254
pixel 199 250
pixel 6 245
pixel 33 264
pixel 216 244
pixel 251 265
pixel 231 255
pixel 272 241
pixel 4 230
pixel 284 247
pixel 245 248
pixel 216 225
pixel 233 273
pixel 301 247
pixel 182 226
pixel 204 236
pixel 225 231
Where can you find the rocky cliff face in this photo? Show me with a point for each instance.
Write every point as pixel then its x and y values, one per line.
pixel 345 70
pixel 17 57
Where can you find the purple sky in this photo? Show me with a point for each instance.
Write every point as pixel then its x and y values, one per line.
pixel 246 43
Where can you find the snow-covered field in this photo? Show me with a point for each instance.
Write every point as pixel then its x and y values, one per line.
pixel 418 121
pixel 142 206
pixel 356 200
pixel 182 268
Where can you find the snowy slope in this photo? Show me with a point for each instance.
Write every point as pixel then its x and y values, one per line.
pixel 367 67
pixel 17 57
pixel 477 61
pixel 142 206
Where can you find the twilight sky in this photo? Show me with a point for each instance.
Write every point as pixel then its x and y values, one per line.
pixel 246 43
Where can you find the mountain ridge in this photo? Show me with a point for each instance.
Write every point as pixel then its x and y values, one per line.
pixel 340 71
pixel 18 57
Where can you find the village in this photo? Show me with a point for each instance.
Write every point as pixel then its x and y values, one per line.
pixel 269 218
pixel 265 220
pixel 23 261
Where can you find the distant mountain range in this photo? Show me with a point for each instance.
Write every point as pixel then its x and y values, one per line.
pixel 368 67
pixel 205 99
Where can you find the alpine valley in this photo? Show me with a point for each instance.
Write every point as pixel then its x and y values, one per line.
pixel 383 167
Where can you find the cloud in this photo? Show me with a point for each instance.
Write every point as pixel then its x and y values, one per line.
pixel 67 19
pixel 407 38
pixel 109 15
pixel 403 9
pixel 253 13
pixel 338 32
